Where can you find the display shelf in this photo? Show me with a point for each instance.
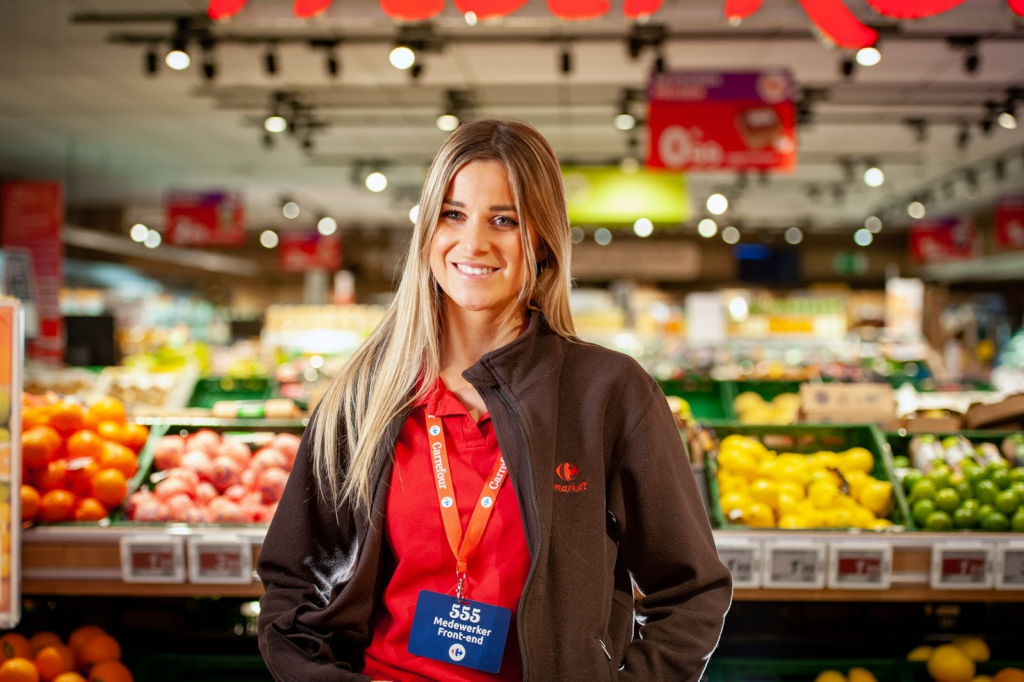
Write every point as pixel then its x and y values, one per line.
pixel 87 561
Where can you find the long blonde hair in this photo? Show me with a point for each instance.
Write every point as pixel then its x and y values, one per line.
pixel 401 359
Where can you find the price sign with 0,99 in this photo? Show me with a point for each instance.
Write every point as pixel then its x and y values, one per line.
pixel 860 566
pixel 152 559
pixel 961 566
pixel 743 559
pixel 1010 566
pixel 222 559
pixel 794 565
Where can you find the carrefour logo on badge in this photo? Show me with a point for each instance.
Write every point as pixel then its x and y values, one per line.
pixel 434 430
pixel 447 502
pixel 457 652
pixel 486 502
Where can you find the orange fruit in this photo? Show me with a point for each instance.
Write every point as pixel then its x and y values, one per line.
pixel 54 476
pixel 90 509
pixel 18 670
pixel 98 649
pixel 111 671
pixel 38 446
pixel 117 456
pixel 55 506
pixel 85 444
pixel 43 639
pixel 67 417
pixel 80 473
pixel 54 660
pixel 32 417
pixel 81 635
pixel 69 677
pixel 110 431
pixel 134 436
pixel 110 487
pixel 105 410
pixel 13 645
pixel 1009 675
pixel 29 505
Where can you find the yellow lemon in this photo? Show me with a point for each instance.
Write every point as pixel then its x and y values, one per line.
pixel 830 676
pixel 767 468
pixel 950 664
pixel 861 675
pixel 856 459
pixel 732 501
pixel 844 502
pixel 738 462
pixel 920 653
pixel 732 483
pixel 794 490
pixel 747 400
pixel 856 480
pixel 787 505
pixel 823 494
pixel 877 497
pixel 792 521
pixel 829 460
pixel 759 515
pixel 839 518
pixel 765 491
pixel 862 518
pixel 975 648
pixel 880 524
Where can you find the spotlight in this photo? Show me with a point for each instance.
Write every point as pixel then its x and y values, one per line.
pixel 1007 120
pixel 448 122
pixel 269 239
pixel 376 181
pixel 290 210
pixel 794 235
pixel 151 61
pixel 717 204
pixel 873 176
pixel 138 232
pixel 916 210
pixel 625 121
pixel 414 214
pixel 643 227
pixel 577 235
pixel 730 235
pixel 873 224
pixel 868 56
pixel 846 67
pixel 470 18
pixel 707 228
pixel 275 124
pixel 603 236
pixel 327 226
pixel 566 65
pixel 178 59
pixel 270 59
pixel 402 57
pixel 862 237
pixel 152 240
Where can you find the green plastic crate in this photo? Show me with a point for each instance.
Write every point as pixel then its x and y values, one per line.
pixel 767 389
pixel 210 390
pixel 808 439
pixel 918 672
pixel 806 670
pixel 899 442
pixel 708 399
pixel 199 668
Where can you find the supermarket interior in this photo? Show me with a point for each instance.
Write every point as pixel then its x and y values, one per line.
pixel 803 218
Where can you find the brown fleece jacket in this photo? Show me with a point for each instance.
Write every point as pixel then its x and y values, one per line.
pixel 608 500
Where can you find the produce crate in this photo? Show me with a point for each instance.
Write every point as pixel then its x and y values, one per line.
pixel 767 389
pixel 808 439
pixel 210 390
pixel 899 443
pixel 918 671
pixel 788 670
pixel 199 668
pixel 709 399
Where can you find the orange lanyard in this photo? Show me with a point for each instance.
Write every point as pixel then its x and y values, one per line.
pixel 462 547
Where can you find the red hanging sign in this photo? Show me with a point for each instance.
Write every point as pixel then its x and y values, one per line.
pixel 912 9
pixel 1010 223
pixel 305 251
pixel 488 9
pixel 204 219
pixel 220 10
pixel 307 9
pixel 934 241
pixel 710 121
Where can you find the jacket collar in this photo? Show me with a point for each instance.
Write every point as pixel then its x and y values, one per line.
pixel 532 355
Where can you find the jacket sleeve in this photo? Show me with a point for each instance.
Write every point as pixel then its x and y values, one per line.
pixel 306 632
pixel 665 542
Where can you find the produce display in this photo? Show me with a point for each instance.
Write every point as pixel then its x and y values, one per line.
pixel 207 477
pixel 76 460
pixel 89 655
pixel 953 483
pixel 855 674
pixel 751 408
pixel 759 488
pixel 965 659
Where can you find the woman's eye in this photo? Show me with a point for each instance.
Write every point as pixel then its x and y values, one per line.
pixel 451 215
pixel 505 221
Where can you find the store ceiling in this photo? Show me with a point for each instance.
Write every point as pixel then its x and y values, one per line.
pixel 78 107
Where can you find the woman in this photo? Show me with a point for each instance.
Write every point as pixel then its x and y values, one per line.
pixel 384 562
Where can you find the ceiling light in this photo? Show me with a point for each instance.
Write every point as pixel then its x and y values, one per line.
pixel 448 122
pixel 327 226
pixel 290 210
pixel 873 224
pixel 707 228
pixel 152 240
pixel 138 232
pixel 269 239
pixel 717 204
pixel 402 57
pixel 730 235
pixel 414 214
pixel 643 227
pixel 376 181
pixel 603 236
pixel 629 165
pixel 577 235
pixel 862 237
pixel 868 56
pixel 874 177
pixel 625 121
pixel 739 309
pixel 470 18
pixel 275 124
pixel 916 210
pixel 1007 120
pixel 178 59
pixel 794 235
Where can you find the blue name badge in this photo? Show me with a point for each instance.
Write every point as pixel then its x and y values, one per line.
pixel 467 633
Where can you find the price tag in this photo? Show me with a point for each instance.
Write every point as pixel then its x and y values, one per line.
pixel 743 558
pixel 152 559
pixel 961 566
pixel 1010 566
pixel 859 566
pixel 225 559
pixel 799 565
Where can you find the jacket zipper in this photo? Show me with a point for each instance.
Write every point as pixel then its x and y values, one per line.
pixel 536 510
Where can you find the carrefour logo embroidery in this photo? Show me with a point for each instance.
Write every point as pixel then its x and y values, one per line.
pixel 457 652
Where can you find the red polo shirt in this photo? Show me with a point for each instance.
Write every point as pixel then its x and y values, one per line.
pixel 415 534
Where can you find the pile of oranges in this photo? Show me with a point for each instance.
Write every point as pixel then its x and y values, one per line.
pixel 76 460
pixel 90 655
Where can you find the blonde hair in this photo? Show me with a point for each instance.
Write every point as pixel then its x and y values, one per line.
pixel 400 361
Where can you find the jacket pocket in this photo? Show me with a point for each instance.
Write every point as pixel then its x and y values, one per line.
pixel 605 653
pixel 620 626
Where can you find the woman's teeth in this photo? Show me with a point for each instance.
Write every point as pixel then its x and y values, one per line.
pixel 474 271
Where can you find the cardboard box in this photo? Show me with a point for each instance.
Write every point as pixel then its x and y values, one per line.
pixel 933 421
pixel 885 420
pixel 1008 414
pixel 836 397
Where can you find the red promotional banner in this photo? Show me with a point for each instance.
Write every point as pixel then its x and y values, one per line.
pixel 943 240
pixel 1010 223
pixel 32 216
pixel 711 121
pixel 204 219
pixel 305 251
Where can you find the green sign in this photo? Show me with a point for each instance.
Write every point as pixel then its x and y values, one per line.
pixel 850 262
pixel 606 195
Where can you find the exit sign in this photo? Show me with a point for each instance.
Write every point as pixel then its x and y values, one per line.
pixel 850 263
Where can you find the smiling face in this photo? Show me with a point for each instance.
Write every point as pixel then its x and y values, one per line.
pixel 476 253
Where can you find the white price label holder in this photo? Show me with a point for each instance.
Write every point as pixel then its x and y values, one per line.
pixel 794 565
pixel 859 566
pixel 219 559
pixel 743 559
pixel 1010 566
pixel 962 566
pixel 152 559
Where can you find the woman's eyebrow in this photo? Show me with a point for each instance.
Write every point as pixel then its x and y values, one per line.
pixel 501 207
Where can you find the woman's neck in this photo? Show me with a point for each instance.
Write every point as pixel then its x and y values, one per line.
pixel 469 335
